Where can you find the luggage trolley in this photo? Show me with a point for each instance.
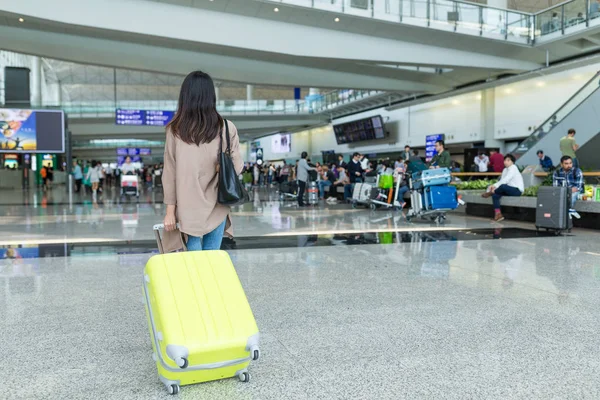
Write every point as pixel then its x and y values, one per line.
pixel 362 192
pixel 431 196
pixel 130 186
pixel 383 200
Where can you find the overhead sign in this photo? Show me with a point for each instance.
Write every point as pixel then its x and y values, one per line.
pixel 430 140
pixel 143 117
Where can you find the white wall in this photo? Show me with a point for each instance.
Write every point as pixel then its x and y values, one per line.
pixel 527 104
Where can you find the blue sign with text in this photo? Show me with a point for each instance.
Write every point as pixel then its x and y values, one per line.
pixel 430 140
pixel 143 117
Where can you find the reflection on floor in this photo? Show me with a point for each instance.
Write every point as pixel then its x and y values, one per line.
pixel 113 220
pixel 414 312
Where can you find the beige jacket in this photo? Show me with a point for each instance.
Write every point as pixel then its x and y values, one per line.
pixel 190 183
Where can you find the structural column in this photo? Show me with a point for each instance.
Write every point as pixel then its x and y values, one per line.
pixel 488 119
pixel 250 92
pixel 217 93
pixel 36 82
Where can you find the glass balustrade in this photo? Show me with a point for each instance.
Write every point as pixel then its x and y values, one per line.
pixel 468 18
pixel 312 104
pixel 570 105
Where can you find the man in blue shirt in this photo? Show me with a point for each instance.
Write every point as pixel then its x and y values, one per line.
pixel 571 177
pixel 77 175
pixel 545 161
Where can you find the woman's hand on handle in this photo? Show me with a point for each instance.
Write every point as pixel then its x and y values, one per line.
pixel 170 221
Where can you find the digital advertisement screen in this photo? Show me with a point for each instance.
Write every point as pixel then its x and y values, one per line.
pixel 134 159
pixel 430 145
pixel 124 151
pixel 281 143
pixel 32 131
pixel 371 128
pixel 143 117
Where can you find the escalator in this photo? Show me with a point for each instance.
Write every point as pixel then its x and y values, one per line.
pixel 581 112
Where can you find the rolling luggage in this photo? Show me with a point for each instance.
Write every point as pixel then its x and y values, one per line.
pixel 552 211
pixel 362 193
pixel 440 198
pixel 201 325
pixel 431 177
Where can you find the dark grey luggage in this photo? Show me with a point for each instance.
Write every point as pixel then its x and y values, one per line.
pixel 552 211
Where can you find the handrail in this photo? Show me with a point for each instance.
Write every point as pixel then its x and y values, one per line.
pixel 536 133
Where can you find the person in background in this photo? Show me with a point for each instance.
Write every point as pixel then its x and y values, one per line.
pixel 44 175
pixel 303 169
pixel 405 155
pixel 256 174
pixel 341 162
pixel 77 175
pixel 415 163
pixel 93 176
pixel 127 168
pixel 510 184
pixel 284 173
pixel 327 179
pixel 496 161
pixel 572 177
pixel 553 121
pixel 364 163
pixel 482 162
pixel 272 173
pixel 108 173
pixel 568 147
pixel 398 162
pixel 343 181
pixel 545 161
pixel 442 158
pixel 355 174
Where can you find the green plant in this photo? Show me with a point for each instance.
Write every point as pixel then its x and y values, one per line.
pixel 531 191
pixel 480 184
pixel 547 180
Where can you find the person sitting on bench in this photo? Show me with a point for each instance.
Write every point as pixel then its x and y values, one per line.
pixel 571 177
pixel 510 184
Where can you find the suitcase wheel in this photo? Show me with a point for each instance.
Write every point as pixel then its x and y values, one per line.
pixel 173 389
pixel 255 354
pixel 244 377
pixel 182 362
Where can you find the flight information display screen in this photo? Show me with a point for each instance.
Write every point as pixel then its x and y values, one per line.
pixel 371 128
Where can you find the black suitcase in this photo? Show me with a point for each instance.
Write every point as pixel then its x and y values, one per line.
pixel 552 210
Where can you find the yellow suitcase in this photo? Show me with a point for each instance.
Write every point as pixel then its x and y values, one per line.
pixel 201 325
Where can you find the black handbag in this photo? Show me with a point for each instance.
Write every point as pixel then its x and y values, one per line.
pixel 231 192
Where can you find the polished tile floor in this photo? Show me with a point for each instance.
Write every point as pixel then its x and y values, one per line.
pixel 50 218
pixel 453 319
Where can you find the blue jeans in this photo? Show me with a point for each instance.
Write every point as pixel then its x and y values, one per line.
pixel 504 190
pixel 401 192
pixel 210 241
pixel 573 200
pixel 322 185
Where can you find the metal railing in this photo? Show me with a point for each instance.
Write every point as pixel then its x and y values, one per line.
pixel 311 105
pixel 569 106
pixel 465 17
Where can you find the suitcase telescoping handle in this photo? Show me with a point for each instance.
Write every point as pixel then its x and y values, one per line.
pixel 157 230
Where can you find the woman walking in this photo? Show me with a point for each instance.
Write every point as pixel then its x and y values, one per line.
pixel 93 176
pixel 190 175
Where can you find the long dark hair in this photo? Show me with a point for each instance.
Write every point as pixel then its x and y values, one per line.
pixel 197 120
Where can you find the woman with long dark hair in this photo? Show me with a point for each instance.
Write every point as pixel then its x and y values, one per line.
pixel 190 177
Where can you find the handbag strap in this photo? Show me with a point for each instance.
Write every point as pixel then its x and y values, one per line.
pixel 228 151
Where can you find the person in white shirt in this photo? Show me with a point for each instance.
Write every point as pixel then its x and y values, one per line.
pixel 127 168
pixel 510 184
pixel 364 162
pixel 482 162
